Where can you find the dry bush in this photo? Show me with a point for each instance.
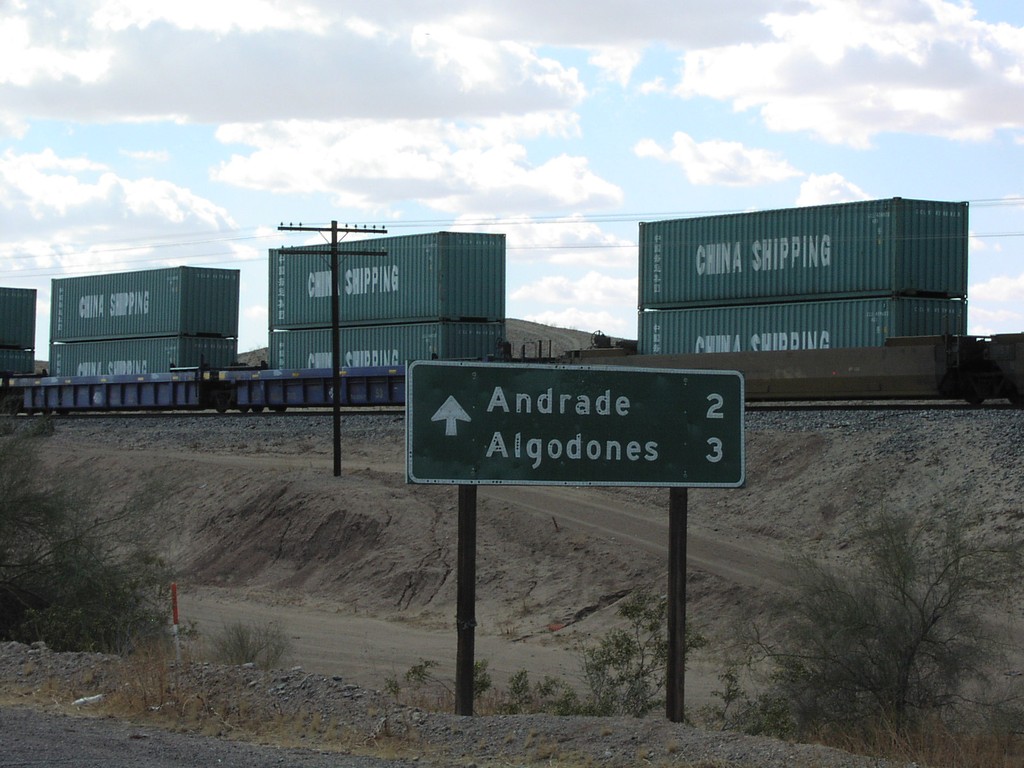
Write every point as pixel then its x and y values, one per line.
pixel 265 645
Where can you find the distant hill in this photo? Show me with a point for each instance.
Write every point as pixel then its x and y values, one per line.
pixel 529 340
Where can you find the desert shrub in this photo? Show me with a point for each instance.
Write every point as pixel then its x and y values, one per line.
pixel 424 688
pixel 263 645
pixel 72 573
pixel 763 714
pixel 551 694
pixel 624 673
pixel 897 637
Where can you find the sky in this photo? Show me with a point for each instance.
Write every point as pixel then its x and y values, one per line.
pixel 138 134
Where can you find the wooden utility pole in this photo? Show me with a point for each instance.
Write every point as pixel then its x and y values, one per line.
pixel 334 229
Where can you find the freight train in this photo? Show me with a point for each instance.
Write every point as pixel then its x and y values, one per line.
pixel 974 369
pixel 863 300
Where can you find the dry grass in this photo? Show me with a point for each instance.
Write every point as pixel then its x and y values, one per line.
pixel 934 744
pixel 151 687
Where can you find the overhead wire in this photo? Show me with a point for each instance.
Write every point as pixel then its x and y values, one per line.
pixel 154 242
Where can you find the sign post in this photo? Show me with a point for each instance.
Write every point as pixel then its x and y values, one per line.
pixel 471 424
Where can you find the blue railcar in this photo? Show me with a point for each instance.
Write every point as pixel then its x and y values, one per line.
pixel 279 389
pixel 194 389
pixel 153 391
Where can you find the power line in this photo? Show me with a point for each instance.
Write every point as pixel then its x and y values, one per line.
pixel 211 236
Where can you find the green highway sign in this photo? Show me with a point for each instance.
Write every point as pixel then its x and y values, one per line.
pixel 502 423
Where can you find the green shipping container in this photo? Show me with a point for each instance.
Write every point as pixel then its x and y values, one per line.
pixel 18 318
pixel 123 357
pixel 411 278
pixel 386 345
pixel 17 361
pixel 177 301
pixel 890 247
pixel 795 326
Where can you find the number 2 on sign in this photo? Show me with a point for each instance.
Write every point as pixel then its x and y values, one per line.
pixel 715 409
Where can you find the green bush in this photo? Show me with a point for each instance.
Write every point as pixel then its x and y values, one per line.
pixel 72 573
pixel 625 672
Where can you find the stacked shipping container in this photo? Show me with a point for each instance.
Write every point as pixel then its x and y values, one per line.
pixel 845 275
pixel 144 322
pixel 404 298
pixel 17 330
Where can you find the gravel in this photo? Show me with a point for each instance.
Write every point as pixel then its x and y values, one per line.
pixel 37 677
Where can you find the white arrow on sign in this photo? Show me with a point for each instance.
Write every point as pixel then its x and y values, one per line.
pixel 450 413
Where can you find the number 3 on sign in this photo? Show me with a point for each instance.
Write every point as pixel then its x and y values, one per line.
pixel 716 450
pixel 715 412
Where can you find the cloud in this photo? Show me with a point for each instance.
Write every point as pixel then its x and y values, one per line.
pixel 61 202
pixel 829 188
pixel 987 321
pixel 222 17
pixel 235 61
pixel 726 163
pixel 148 156
pixel 847 71
pixel 617 63
pixel 26 61
pixel 594 288
pixel 474 168
pixel 1005 288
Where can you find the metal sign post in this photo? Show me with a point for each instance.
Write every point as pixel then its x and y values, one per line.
pixel 471 424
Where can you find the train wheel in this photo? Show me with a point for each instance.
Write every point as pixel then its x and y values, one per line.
pixel 257 409
pixel 222 401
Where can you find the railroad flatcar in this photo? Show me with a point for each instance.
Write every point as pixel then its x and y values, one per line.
pixel 194 389
pixel 970 368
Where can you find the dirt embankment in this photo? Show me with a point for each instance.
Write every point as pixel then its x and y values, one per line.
pixel 256 525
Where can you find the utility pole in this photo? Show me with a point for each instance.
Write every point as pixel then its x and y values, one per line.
pixel 334 229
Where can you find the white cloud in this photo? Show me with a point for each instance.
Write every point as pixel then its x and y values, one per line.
pixel 987 321
pixel 847 71
pixel 727 163
pixel 260 60
pixel 829 188
pixel 25 61
pixel 657 85
pixel 64 202
pixel 1005 288
pixel 148 156
pixel 449 167
pixel 617 63
pixel 594 288
pixel 222 16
